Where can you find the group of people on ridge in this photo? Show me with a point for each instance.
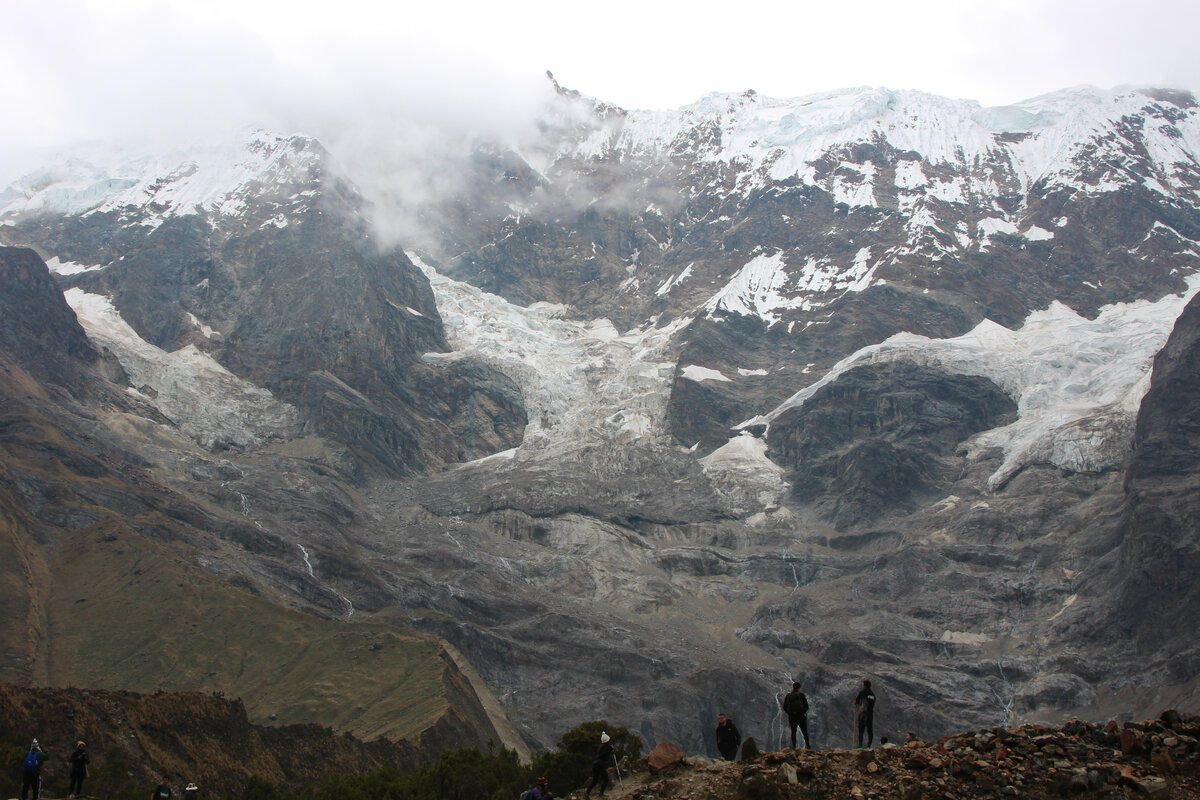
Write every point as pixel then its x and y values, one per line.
pixel 31 770
pixel 35 757
pixel 795 705
pixel 729 739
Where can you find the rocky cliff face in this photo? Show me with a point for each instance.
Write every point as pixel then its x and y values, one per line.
pixel 1149 586
pixel 263 259
pixel 38 331
pixel 671 408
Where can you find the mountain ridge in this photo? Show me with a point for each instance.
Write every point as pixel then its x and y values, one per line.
pixel 556 429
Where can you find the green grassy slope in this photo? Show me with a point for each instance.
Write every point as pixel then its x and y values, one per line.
pixel 128 612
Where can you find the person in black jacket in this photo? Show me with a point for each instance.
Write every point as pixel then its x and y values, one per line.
pixel 600 767
pixel 163 790
pixel 795 705
pixel 729 738
pixel 79 769
pixel 864 704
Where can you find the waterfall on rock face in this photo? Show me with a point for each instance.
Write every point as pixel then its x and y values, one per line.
pixel 655 407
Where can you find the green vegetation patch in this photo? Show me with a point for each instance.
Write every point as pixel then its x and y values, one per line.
pixel 128 612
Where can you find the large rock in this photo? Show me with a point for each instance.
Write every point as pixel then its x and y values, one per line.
pixel 882 438
pixel 663 757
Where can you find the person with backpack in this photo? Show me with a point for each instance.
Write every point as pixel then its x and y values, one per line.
pixel 79 761
pixel 864 705
pixel 600 767
pixel 795 705
pixel 31 770
pixel 729 738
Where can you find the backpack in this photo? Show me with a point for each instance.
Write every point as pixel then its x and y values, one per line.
pixel 31 761
pixel 527 794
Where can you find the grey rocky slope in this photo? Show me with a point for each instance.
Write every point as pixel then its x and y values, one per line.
pixel 864 408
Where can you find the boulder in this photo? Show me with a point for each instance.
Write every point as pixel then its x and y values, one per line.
pixel 664 757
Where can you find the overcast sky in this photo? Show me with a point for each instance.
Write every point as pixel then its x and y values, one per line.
pixel 72 69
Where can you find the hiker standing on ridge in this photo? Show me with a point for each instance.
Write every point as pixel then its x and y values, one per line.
pixel 729 738
pixel 79 769
pixel 163 790
pixel 31 770
pixel 795 705
pixel 600 767
pixel 864 705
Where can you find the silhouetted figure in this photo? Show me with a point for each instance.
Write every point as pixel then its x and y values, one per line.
pixel 865 705
pixel 729 738
pixel 163 790
pixel 795 705
pixel 79 768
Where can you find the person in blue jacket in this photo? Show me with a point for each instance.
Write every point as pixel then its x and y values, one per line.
pixel 31 771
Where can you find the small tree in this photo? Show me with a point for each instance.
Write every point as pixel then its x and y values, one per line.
pixel 571 766
pixel 585 739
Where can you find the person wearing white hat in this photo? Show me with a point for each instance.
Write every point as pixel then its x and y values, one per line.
pixel 599 777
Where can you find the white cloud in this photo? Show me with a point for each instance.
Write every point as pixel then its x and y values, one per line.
pixel 73 69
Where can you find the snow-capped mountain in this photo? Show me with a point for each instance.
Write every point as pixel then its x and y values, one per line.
pixel 661 409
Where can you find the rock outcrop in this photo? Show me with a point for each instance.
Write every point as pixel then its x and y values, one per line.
pixel 1155 758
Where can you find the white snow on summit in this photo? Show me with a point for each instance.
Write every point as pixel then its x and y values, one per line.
pixel 215 179
pixel 1078 383
pixel 1038 138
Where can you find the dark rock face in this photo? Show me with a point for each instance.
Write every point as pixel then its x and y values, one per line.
pixel 1158 597
pixel 297 297
pixel 37 328
pixel 880 438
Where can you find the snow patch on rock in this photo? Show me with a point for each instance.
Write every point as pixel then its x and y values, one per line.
pixel 209 403
pixel 1078 383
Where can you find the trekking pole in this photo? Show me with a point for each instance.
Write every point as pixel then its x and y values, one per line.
pixel 620 780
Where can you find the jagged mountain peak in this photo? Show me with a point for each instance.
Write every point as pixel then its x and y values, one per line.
pixel 784 137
